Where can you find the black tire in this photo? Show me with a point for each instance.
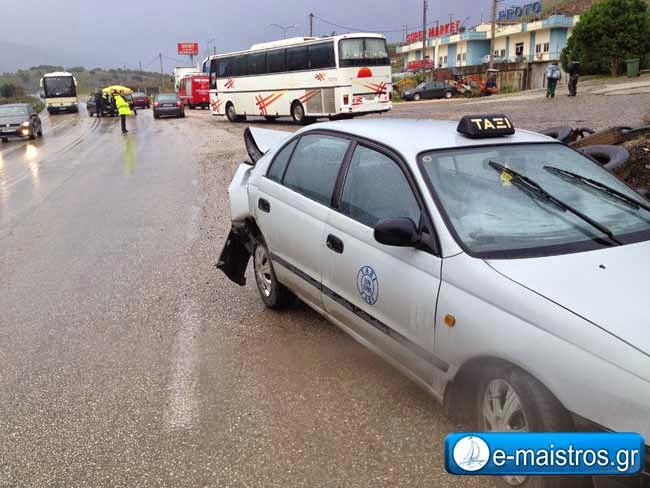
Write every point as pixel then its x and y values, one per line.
pixel 271 118
pixel 182 115
pixel 156 116
pixel 612 158
pixel 538 411
pixel 32 136
pixel 562 134
pixel 273 293
pixel 191 106
pixel 298 113
pixel 449 95
pixel 231 113
pixel 417 97
pixel 4 139
pixel 40 131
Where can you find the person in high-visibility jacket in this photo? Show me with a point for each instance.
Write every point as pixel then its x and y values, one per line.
pixel 122 108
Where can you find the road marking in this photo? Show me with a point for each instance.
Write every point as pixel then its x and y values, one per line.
pixel 182 408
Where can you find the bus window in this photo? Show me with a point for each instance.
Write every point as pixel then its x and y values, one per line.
pixel 214 66
pixel 240 65
pixel 275 61
pixel 225 67
pixel 297 58
pixel 321 55
pixel 257 63
pixel 363 52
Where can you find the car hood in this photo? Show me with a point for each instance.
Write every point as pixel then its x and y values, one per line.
pixel 13 119
pixel 609 287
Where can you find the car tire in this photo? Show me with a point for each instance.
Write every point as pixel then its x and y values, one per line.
pixel 231 113
pixel 182 115
pixel 562 134
pixel 612 158
pixel 271 118
pixel 32 136
pixel 4 139
pixel 298 113
pixel 448 95
pixel 533 409
pixel 275 295
pixel 417 97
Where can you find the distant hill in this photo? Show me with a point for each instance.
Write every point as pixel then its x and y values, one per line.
pixel 88 79
pixel 568 7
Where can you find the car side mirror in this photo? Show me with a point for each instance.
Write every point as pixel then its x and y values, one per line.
pixel 397 232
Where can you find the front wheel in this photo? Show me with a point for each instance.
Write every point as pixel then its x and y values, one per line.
pixel 274 295
pixel 510 400
pixel 448 95
pixel 417 97
pixel 231 113
pixel 298 113
pixel 271 118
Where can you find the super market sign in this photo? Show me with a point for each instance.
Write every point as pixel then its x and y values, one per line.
pixel 515 13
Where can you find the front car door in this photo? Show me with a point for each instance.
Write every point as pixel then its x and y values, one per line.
pixel 384 296
pixel 293 201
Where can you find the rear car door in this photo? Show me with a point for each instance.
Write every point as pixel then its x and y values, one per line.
pixel 385 296
pixel 293 201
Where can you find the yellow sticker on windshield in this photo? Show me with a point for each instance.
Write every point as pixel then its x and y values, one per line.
pixel 506 178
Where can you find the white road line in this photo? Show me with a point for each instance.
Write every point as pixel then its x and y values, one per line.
pixel 182 409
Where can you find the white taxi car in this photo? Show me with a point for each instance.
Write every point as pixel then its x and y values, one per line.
pixel 500 269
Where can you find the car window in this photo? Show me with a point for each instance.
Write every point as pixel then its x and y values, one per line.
pixel 280 162
pixel 314 166
pixel 376 188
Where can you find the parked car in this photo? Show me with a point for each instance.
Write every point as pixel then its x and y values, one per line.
pixel 496 59
pixel 429 90
pixel 140 100
pixel 501 270
pixel 168 105
pixel 19 120
pixel 107 110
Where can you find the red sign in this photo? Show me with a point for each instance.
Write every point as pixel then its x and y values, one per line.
pixel 419 64
pixel 437 31
pixel 191 48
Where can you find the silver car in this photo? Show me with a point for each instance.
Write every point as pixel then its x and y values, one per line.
pixel 503 271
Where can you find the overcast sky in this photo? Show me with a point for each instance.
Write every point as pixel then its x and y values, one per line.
pixel 96 33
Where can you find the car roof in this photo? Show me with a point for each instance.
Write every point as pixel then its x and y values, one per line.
pixel 413 136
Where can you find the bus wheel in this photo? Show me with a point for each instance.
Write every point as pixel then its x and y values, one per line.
pixel 298 113
pixel 271 118
pixel 231 113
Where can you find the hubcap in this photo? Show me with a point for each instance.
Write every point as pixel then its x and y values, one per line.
pixel 502 412
pixel 298 112
pixel 231 111
pixel 263 271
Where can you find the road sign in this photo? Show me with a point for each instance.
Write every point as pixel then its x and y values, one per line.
pixel 191 48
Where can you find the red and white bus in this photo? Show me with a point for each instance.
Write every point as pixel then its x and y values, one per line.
pixel 304 78
pixel 194 91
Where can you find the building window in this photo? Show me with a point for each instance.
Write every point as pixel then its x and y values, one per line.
pixel 547 47
pixel 458 58
pixel 464 56
pixel 519 49
pixel 538 48
pixel 445 60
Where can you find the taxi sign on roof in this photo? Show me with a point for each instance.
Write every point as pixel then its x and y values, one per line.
pixel 485 126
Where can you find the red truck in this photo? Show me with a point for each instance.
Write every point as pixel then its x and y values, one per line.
pixel 194 91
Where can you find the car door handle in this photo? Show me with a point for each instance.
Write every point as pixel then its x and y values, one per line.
pixel 264 205
pixel 335 244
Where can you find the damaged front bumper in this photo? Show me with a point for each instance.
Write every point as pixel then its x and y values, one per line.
pixel 236 252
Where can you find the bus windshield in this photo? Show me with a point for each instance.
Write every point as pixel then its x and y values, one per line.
pixel 59 86
pixel 368 51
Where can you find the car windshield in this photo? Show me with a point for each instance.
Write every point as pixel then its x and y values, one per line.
pixel 494 217
pixel 166 98
pixel 363 52
pixel 12 110
pixel 59 86
pixel 422 85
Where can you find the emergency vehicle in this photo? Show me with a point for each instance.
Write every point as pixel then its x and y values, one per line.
pixel 194 90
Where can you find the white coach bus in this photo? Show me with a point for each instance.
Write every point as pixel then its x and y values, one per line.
pixel 59 92
pixel 304 78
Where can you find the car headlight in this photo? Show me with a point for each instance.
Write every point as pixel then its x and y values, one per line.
pixel 25 124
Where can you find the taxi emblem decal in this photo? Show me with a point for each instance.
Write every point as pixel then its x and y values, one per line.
pixel 368 285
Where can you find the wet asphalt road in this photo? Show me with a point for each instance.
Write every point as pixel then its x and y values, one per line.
pixel 127 360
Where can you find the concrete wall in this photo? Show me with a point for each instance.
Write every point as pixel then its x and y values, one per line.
pixel 451 52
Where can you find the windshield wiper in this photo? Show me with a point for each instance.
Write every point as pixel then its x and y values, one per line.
pixel 534 188
pixel 632 202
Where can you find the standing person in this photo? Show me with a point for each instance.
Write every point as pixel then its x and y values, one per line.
pixel 99 102
pixel 553 76
pixel 122 109
pixel 574 76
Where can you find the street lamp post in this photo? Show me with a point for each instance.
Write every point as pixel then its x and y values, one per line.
pixel 284 28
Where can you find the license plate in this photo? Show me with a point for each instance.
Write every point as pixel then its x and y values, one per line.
pixel 168 105
pixel 369 97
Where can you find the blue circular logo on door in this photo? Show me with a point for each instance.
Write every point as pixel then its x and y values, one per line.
pixel 368 285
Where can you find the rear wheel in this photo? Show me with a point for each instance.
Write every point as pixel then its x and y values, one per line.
pixel 298 113
pixel 231 113
pixel 191 105
pixel 271 118
pixel 417 97
pixel 274 294
pixel 448 95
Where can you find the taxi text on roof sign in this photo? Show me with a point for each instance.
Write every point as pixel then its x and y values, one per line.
pixel 484 126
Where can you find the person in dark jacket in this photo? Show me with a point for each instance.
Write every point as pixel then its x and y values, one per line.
pixel 99 102
pixel 574 76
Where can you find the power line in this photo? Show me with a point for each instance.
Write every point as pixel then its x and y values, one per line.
pixel 365 29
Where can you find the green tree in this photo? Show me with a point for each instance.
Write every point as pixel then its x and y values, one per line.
pixel 609 32
pixel 8 90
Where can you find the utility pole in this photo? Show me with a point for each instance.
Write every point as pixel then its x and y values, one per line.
pixel 141 76
pixel 424 34
pixel 162 74
pixel 311 25
pixel 494 31
pixel 214 50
